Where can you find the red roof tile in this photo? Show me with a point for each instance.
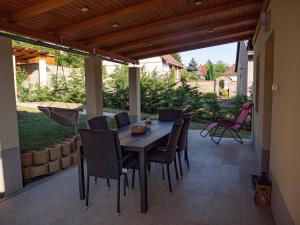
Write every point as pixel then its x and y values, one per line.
pixel 170 59
pixel 230 71
pixel 203 70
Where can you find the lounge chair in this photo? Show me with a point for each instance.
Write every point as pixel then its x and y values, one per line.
pixel 233 126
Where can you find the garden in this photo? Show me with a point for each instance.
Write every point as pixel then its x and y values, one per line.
pixel 157 92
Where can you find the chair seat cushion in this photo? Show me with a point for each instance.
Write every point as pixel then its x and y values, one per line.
pixel 159 156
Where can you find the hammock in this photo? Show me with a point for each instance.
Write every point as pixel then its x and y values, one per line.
pixel 63 116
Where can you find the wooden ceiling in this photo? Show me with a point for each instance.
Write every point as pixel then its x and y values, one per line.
pixel 129 30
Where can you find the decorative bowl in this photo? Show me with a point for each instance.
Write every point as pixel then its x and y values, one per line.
pixel 138 129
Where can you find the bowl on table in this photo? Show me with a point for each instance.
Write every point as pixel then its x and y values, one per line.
pixel 138 129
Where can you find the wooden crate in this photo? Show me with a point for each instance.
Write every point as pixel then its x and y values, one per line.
pixel 77 141
pixel 74 157
pixel 54 152
pixel 41 157
pixel 73 143
pixel 26 173
pixel 37 171
pixel 66 161
pixel 66 147
pixel 26 159
pixel 54 166
pixel 263 195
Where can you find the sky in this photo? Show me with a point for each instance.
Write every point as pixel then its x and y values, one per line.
pixel 225 53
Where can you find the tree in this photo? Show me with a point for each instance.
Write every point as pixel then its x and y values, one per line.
pixel 220 68
pixel 211 72
pixel 193 66
pixel 177 57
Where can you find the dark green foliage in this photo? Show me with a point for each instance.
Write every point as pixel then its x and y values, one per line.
pixel 210 73
pixel 73 91
pixel 193 66
pixel 219 68
pixel 116 89
pixel 215 70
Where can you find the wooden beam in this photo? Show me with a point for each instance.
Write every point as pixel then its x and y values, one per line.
pixel 182 33
pixel 56 40
pixel 100 20
pixel 198 46
pixel 115 36
pixel 38 9
pixel 196 39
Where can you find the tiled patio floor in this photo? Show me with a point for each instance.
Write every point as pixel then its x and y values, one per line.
pixel 215 191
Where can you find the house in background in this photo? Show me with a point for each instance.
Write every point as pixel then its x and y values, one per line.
pixel 40 66
pixel 202 72
pixel 36 63
pixel 161 65
pixel 227 82
pixel 244 68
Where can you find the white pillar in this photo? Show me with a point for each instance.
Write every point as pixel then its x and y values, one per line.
pixel 10 164
pixel 15 77
pixel 134 93
pixel 93 87
pixel 43 72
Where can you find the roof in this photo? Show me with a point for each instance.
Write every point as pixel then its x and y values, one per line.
pixel 172 61
pixel 203 70
pixel 230 71
pixel 27 55
pixel 135 29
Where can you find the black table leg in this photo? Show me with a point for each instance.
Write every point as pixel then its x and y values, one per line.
pixel 81 174
pixel 143 182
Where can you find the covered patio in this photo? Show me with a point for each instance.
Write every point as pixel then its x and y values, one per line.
pixel 215 190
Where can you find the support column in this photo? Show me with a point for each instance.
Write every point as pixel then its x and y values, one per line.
pixel 15 77
pixel 134 93
pixel 93 87
pixel 10 163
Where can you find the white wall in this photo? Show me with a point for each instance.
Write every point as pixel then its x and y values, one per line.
pixel 285 123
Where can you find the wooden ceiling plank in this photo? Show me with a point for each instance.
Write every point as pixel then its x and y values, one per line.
pixel 182 33
pixel 197 46
pixel 56 40
pixel 194 39
pixel 100 20
pixel 173 20
pixel 38 9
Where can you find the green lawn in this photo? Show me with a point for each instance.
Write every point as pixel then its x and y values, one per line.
pixel 36 130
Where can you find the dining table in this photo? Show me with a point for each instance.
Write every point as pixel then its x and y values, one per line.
pixel 140 143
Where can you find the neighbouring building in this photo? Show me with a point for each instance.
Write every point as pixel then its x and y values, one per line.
pixel 202 72
pixel 226 84
pixel 40 66
pixel 161 65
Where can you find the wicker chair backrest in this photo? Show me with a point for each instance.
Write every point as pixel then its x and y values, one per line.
pixel 102 153
pixel 184 133
pixel 173 140
pixel 170 114
pixel 122 119
pixel 98 122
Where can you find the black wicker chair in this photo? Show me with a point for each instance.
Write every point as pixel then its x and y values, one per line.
pixel 98 122
pixel 182 141
pixel 169 114
pixel 104 158
pixel 167 155
pixel 122 119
